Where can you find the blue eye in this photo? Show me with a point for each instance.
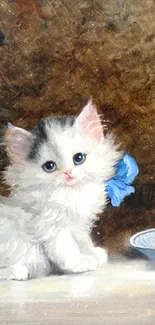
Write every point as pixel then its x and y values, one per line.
pixel 79 158
pixel 49 166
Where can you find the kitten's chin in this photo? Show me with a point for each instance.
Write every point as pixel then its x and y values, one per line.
pixel 70 182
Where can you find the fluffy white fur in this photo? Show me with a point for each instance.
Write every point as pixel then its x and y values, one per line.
pixel 47 220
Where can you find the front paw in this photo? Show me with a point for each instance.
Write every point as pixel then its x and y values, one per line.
pixel 17 272
pixel 83 263
pixel 101 255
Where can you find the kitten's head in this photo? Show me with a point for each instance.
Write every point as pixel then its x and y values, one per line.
pixel 61 151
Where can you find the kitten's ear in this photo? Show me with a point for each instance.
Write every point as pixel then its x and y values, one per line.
pixel 89 122
pixel 18 142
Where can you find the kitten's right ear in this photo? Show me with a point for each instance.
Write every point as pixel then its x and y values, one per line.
pixel 18 142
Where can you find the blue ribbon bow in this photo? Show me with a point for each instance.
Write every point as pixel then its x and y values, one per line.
pixel 119 186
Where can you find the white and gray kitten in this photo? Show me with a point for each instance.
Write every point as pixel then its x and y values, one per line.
pixel 58 175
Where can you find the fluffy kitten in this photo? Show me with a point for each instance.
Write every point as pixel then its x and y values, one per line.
pixel 58 175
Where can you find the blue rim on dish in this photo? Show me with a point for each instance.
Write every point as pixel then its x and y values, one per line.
pixel 144 242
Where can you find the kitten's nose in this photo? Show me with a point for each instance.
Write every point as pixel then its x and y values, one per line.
pixel 68 172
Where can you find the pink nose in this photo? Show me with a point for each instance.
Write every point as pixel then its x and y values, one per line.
pixel 68 172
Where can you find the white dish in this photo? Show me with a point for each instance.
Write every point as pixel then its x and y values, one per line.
pixel 144 241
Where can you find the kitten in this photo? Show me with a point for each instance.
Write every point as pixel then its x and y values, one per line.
pixel 58 175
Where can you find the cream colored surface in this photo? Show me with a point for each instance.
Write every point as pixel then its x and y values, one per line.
pixel 120 293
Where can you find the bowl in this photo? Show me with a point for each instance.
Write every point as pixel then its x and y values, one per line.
pixel 144 242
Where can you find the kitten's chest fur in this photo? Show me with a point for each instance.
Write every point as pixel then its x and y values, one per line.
pixel 84 201
pixel 72 207
pixel 48 213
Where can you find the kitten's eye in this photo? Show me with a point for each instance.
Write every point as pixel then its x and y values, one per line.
pixel 79 158
pixel 49 166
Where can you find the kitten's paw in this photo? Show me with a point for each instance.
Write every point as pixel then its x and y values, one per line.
pixel 101 255
pixel 84 263
pixel 17 272
pixel 20 272
pixel 87 263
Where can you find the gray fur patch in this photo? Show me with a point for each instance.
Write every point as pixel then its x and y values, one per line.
pixel 39 131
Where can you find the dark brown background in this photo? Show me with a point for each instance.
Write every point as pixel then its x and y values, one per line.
pixel 58 53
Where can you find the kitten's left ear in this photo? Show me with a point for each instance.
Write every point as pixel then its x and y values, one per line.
pixel 18 142
pixel 89 122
